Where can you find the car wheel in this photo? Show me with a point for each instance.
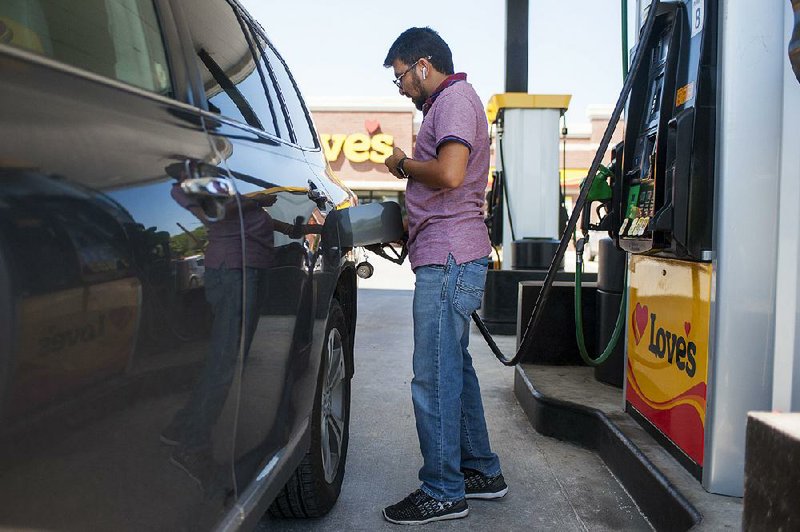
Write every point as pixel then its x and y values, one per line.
pixel 315 485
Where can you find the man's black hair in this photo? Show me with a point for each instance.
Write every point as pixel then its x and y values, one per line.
pixel 416 43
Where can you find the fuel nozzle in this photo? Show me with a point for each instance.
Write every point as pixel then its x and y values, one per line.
pixel 580 245
pixel 601 190
pixel 600 193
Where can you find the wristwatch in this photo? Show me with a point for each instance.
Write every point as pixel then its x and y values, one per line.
pixel 400 167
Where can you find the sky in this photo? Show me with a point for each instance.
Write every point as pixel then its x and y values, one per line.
pixel 335 48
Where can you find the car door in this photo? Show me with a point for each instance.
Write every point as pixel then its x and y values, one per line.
pixel 105 339
pixel 283 210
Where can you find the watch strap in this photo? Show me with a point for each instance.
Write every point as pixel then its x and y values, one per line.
pixel 401 167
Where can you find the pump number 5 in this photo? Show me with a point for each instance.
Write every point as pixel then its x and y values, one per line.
pixel 698 16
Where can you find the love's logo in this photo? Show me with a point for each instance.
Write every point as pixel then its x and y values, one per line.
pixel 639 320
pixel 678 350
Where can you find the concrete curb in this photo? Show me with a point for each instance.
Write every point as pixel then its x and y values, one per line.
pixel 657 498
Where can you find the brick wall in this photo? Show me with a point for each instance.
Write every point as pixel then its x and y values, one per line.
pixel 582 142
pixel 398 124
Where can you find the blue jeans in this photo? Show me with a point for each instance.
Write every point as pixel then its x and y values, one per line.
pixel 445 391
pixel 223 287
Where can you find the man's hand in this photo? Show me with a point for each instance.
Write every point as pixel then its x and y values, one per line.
pixel 392 160
pixel 447 170
pixel 265 200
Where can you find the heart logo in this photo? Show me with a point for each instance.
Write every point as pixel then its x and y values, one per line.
pixel 639 318
pixel 373 126
pixel 687 327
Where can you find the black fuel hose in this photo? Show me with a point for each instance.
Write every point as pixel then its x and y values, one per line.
pixel 544 293
pixel 504 185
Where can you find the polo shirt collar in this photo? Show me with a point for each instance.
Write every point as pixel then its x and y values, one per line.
pixel 449 80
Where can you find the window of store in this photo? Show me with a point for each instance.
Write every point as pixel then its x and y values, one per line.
pixel 119 39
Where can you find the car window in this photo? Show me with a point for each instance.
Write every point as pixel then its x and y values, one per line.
pixel 294 104
pixel 232 78
pixel 119 39
pixel 270 82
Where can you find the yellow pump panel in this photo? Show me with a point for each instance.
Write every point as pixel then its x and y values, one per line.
pixel 669 309
pixel 523 100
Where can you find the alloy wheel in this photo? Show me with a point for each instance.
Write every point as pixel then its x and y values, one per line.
pixel 333 414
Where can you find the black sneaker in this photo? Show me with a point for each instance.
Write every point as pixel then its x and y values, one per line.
pixel 420 508
pixel 479 486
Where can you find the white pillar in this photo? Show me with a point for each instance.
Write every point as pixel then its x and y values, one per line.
pixel 786 379
pixel 749 134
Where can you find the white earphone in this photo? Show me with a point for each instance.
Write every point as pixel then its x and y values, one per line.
pixel 424 72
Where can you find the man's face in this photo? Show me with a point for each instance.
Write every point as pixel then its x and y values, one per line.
pixel 410 82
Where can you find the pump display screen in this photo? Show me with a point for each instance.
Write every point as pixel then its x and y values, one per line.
pixel 641 175
pixel 655 99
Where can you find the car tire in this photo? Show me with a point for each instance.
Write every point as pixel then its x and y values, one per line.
pixel 314 487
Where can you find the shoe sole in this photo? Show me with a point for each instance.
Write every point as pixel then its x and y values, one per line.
pixel 487 495
pixel 457 515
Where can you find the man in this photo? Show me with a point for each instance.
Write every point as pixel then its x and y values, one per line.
pixel 448 248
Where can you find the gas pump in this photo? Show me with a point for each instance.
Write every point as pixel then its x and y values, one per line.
pixel 656 202
pixel 661 213
pixel 525 204
pixel 700 238
pixel 686 381
pixel 526 218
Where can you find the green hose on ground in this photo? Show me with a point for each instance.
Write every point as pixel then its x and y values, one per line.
pixel 618 327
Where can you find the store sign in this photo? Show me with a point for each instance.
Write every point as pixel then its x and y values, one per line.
pixel 64 347
pixel 358 147
pixel 668 330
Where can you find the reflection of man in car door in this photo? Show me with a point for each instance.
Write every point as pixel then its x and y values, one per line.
pixel 233 270
pixel 227 267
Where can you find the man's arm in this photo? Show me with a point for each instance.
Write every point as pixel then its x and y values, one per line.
pixel 446 171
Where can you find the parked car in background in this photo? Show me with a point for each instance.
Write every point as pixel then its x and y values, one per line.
pixel 149 381
pixel 190 272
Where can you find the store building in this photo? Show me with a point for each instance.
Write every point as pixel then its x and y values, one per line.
pixel 580 145
pixel 358 135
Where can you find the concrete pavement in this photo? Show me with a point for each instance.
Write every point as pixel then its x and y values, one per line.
pixel 553 485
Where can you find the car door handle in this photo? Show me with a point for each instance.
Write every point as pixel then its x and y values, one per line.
pixel 208 187
pixel 213 192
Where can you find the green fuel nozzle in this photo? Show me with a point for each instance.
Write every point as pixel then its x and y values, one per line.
pixel 601 190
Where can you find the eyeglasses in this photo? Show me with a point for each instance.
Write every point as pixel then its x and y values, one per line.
pixel 397 81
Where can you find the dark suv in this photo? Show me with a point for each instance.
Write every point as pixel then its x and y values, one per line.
pixel 177 304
